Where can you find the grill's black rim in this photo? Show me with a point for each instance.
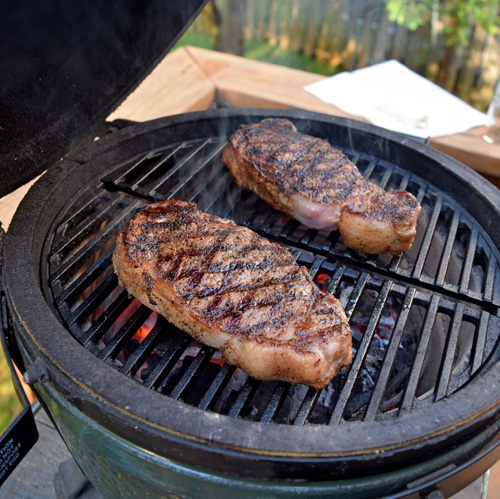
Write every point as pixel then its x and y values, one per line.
pixel 170 426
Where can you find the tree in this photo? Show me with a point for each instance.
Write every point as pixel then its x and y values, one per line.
pixel 458 17
pixel 230 36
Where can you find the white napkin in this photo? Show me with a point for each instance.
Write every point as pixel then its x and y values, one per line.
pixel 393 96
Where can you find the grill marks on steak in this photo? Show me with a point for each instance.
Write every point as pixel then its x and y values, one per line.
pixel 309 180
pixel 233 290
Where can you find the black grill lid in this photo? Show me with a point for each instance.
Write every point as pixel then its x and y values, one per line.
pixel 64 66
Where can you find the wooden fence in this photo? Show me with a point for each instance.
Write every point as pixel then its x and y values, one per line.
pixel 351 34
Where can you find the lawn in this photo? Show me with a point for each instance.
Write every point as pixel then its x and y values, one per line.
pixel 264 52
pixel 10 405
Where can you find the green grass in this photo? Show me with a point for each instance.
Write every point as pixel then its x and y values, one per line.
pixel 194 39
pixel 10 405
pixel 262 51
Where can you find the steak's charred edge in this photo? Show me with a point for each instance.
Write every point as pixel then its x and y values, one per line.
pixel 249 176
pixel 279 141
pixel 222 313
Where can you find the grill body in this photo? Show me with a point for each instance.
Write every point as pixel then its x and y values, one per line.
pixel 162 425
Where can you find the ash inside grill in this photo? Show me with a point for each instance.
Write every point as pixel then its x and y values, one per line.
pixel 423 322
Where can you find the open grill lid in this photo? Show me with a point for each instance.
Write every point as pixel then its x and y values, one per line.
pixel 425 323
pixel 64 66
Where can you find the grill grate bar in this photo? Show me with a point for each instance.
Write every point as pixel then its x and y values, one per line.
pixel 150 170
pixel 405 180
pixel 217 386
pixel 144 350
pixel 418 363
pixel 386 177
pixel 230 197
pixel 307 406
pixel 392 350
pixel 217 187
pixel 177 345
pixel 75 220
pixel 86 278
pixel 359 358
pixel 246 393
pixel 490 278
pixel 316 265
pixel 426 243
pixel 216 192
pixel 164 179
pixel 90 226
pixel 336 278
pixel 369 169
pixel 97 297
pixel 93 246
pixel 275 402
pixel 451 347
pixel 469 260
pixel 138 164
pixel 480 342
pixel 448 247
pixel 198 364
pixel 116 344
pixel 356 293
pixel 186 179
pixel 106 319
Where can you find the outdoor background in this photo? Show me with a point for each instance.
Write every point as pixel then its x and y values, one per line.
pixel 454 43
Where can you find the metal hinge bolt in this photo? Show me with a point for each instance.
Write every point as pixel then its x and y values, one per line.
pixel 36 373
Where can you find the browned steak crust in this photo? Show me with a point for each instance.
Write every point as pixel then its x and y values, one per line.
pixel 233 290
pixel 311 181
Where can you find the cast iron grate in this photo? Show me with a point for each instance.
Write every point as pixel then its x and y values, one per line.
pixel 423 322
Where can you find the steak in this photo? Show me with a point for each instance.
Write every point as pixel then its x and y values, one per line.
pixel 311 181
pixel 234 290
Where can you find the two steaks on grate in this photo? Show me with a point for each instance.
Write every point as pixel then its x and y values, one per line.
pixel 233 290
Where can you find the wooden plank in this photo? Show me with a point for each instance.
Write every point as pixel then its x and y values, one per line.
pixel 472 150
pixel 176 85
pixel 244 83
pixel 9 203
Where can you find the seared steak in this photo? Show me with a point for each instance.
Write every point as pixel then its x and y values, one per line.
pixel 234 290
pixel 311 181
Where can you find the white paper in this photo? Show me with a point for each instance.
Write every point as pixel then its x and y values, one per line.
pixel 393 96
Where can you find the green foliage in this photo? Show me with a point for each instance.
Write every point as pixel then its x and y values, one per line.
pixel 457 16
pixel 196 39
pixel 409 13
pixel 10 406
pixel 262 51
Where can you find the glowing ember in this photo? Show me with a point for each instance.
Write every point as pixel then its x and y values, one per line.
pixel 323 281
pixel 145 329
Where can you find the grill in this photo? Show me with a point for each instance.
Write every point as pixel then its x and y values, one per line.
pixel 418 404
